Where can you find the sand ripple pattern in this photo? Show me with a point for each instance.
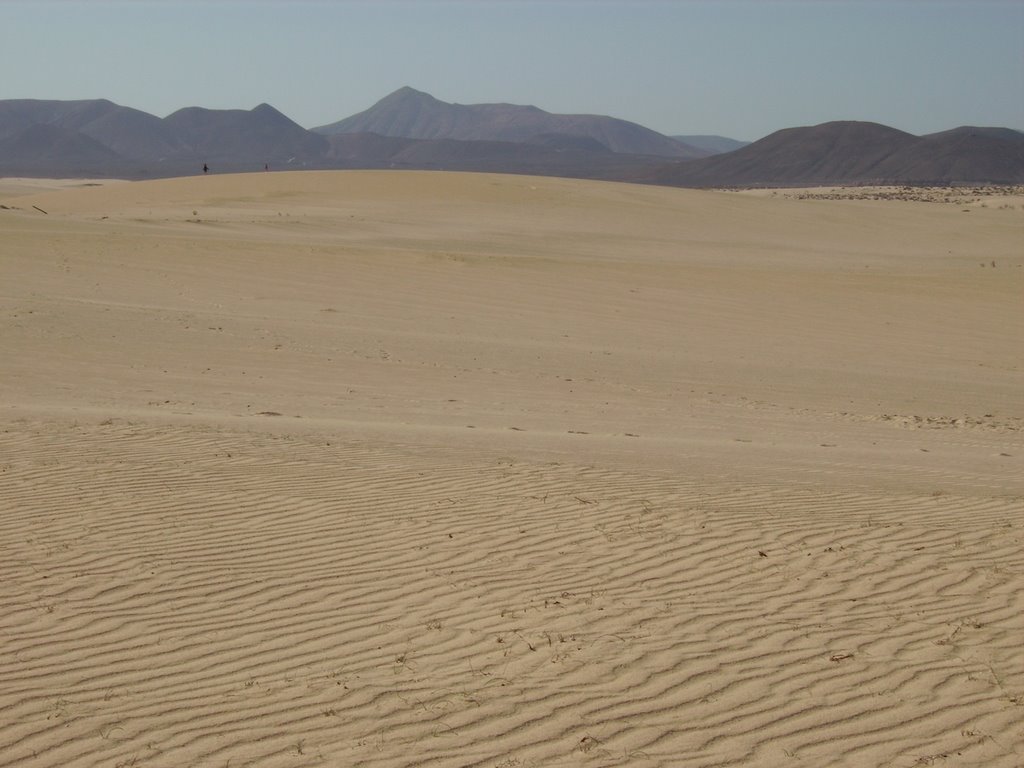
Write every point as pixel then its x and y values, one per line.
pixel 183 596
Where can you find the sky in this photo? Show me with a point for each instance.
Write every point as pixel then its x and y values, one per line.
pixel 738 68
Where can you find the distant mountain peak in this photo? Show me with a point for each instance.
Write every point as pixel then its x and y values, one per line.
pixel 409 94
pixel 270 114
pixel 412 114
pixel 408 90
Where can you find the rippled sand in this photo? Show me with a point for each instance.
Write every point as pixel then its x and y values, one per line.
pixel 408 469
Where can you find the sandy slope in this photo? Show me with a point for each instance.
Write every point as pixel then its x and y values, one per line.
pixel 439 469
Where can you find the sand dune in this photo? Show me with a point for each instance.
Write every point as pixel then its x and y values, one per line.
pixel 403 469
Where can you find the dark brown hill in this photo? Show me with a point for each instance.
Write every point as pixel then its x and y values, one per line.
pixel 831 153
pixel 858 153
pixel 962 155
pixel 974 130
pixel 408 113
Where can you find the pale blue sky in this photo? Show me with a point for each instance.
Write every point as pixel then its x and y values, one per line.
pixel 740 68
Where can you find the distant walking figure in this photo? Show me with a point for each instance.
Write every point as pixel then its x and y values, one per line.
pixel 206 168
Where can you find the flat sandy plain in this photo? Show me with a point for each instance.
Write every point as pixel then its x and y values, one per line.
pixel 426 469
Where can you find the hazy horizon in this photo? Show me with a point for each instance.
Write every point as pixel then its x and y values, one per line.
pixel 735 68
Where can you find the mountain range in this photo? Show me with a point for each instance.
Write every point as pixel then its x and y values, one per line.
pixel 411 129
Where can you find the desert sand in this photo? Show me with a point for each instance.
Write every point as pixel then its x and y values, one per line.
pixel 410 469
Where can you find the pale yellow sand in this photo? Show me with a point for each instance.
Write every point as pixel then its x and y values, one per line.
pixel 398 469
pixel 18 187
